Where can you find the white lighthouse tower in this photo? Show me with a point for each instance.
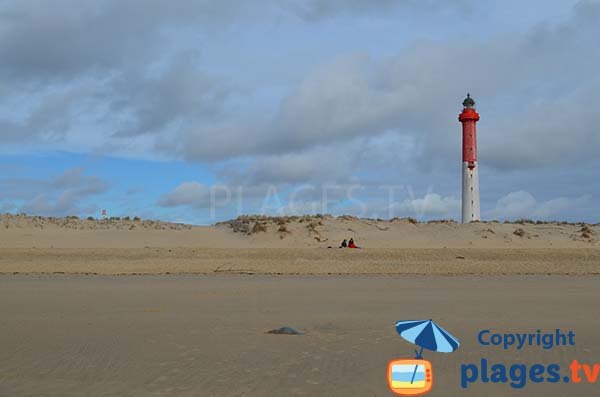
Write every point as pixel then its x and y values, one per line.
pixel 470 173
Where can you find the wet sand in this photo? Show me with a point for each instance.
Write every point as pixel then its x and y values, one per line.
pixel 205 335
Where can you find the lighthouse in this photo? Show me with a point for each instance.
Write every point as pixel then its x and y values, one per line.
pixel 470 173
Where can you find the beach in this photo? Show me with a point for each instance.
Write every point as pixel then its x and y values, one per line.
pixel 206 335
pixel 299 198
pixel 296 246
pixel 138 308
pixel 302 261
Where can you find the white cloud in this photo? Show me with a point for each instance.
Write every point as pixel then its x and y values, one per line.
pixel 514 205
pixel 65 194
pixel 522 204
pixel 430 205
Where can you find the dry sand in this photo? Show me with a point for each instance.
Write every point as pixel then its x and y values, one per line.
pixel 200 331
pixel 297 245
pixel 302 261
pixel 205 335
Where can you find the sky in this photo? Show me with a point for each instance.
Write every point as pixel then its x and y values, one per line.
pixel 200 111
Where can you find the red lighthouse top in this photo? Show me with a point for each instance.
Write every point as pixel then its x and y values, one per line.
pixel 468 113
pixel 469 118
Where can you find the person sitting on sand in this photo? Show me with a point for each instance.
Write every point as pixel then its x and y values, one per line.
pixel 351 244
pixel 344 244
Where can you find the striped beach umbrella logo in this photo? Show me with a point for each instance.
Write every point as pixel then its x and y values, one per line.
pixel 427 334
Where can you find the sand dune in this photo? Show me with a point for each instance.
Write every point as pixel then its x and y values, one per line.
pixel 407 233
pixel 290 232
pixel 296 245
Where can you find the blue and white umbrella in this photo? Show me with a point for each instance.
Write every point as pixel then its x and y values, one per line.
pixel 427 335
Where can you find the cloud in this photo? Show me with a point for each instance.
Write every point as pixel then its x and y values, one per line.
pixel 66 203
pixel 514 205
pixel 73 37
pixel 74 180
pixel 533 90
pixel 106 69
pixel 62 195
pixel 522 204
pixel 131 78
pixel 6 207
pixel 147 98
pixel 323 164
pixel 188 193
pixel 431 205
pixel 181 94
pixel 228 201
pixel 315 10
pixel 47 118
pixel 335 104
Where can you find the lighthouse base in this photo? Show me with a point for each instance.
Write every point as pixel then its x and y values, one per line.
pixel 470 193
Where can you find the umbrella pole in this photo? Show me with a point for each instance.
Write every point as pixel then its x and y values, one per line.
pixel 419 356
